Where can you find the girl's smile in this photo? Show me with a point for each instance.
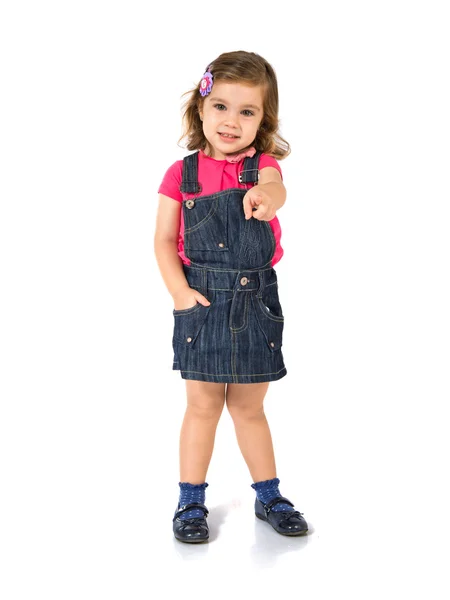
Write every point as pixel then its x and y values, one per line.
pixel 227 137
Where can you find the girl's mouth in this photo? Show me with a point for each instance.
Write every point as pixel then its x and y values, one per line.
pixel 227 137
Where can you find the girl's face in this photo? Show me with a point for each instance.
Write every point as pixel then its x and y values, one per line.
pixel 231 115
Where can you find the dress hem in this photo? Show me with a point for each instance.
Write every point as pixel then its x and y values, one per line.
pixel 229 378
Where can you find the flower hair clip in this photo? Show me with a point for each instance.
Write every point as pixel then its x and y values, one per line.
pixel 206 82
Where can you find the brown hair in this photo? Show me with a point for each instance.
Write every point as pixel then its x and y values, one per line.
pixel 239 67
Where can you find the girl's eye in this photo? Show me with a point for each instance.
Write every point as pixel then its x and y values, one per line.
pixel 246 112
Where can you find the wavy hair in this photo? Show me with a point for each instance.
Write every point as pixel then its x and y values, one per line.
pixel 239 67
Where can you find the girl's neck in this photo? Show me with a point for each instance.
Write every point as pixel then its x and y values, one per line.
pixel 248 151
pixel 235 157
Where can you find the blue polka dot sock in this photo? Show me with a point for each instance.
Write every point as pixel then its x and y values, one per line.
pixel 268 489
pixel 192 493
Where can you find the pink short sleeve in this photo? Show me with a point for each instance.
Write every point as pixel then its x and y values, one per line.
pixel 269 161
pixel 171 182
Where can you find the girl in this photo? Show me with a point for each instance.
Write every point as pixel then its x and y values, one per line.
pixel 217 240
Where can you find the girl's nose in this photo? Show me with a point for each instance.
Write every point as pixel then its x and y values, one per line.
pixel 231 120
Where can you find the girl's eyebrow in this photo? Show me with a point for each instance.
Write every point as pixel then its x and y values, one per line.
pixel 243 106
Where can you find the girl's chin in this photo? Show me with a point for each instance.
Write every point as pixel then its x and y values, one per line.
pixel 221 151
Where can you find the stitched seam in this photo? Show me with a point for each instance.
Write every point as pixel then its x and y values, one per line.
pixel 267 314
pixel 233 355
pixel 256 269
pixel 217 289
pixel 272 239
pixel 211 213
pixel 199 287
pixel 245 325
pixel 187 311
pixel 237 375
pixel 218 194
pixel 265 267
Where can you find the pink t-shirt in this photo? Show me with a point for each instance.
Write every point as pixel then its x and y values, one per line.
pixel 215 176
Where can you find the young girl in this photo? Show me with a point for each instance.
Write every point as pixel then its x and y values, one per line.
pixel 217 240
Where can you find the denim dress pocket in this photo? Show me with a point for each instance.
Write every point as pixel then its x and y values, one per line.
pixel 270 317
pixel 188 324
pixel 206 225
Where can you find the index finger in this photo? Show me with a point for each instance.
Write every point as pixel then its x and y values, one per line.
pixel 247 207
pixel 260 212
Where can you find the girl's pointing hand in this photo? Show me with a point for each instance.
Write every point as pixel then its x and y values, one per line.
pixel 258 205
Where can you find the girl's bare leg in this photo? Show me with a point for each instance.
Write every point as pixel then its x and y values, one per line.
pixel 245 405
pixel 205 403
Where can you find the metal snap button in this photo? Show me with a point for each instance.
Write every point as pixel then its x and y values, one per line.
pixel 189 339
pixel 221 245
pixel 244 281
pixel 190 204
pixel 272 344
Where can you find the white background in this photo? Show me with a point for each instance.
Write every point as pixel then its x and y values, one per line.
pixel 90 408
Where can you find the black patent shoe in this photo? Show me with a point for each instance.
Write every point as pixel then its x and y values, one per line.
pixel 191 531
pixel 284 522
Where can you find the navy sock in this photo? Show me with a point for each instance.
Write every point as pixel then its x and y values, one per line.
pixel 192 493
pixel 267 490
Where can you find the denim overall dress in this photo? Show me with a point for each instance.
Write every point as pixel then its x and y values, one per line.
pixel 238 337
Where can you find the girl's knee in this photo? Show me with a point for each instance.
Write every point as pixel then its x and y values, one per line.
pixel 245 411
pixel 246 402
pixel 202 410
pixel 205 401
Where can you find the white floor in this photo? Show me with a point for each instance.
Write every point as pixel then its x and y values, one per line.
pixel 91 492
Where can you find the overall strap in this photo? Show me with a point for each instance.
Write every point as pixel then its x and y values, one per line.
pixel 250 172
pixel 189 183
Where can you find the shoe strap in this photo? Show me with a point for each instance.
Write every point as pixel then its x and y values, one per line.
pixel 277 500
pixel 186 507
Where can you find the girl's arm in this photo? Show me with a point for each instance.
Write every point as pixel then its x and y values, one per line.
pixel 268 196
pixel 166 252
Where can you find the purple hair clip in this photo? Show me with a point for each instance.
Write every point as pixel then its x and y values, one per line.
pixel 206 82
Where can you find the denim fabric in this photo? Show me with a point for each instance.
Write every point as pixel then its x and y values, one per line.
pixel 238 338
